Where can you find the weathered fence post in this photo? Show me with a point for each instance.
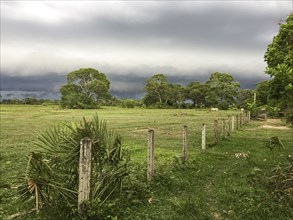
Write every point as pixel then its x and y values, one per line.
pixel 203 138
pixel 216 131
pixel 151 143
pixel 184 143
pixel 84 172
pixel 237 121
pixel 223 127
pixel 240 120
pixel 248 116
pixel 233 120
pixel 229 125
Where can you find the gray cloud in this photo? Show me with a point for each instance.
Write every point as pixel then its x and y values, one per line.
pixel 132 40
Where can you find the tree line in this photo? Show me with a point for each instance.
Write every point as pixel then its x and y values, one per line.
pixel 89 88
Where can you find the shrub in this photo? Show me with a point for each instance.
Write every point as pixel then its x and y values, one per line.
pixel 51 178
pixel 281 182
pixel 289 116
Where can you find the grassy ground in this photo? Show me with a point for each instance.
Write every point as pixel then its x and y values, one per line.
pixel 211 185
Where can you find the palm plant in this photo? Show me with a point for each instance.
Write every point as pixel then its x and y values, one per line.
pixel 51 177
pixel 275 142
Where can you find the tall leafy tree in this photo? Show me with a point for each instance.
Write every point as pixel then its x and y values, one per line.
pixel 279 57
pixel 262 92
pixel 196 92
pixel 157 88
pixel 222 90
pixel 84 89
pixel 246 97
pixel 176 95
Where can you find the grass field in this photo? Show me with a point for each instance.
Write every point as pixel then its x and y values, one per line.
pixel 211 185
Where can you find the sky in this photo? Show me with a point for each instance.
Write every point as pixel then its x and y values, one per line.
pixel 129 41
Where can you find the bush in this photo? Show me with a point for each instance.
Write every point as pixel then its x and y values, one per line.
pixel 51 178
pixel 289 116
pixel 281 182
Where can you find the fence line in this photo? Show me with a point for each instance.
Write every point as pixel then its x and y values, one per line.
pixel 227 127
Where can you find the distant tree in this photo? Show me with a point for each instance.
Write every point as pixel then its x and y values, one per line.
pixel 262 92
pixel 176 95
pixel 85 88
pixel 157 89
pixel 222 90
pixel 279 57
pixel 245 97
pixel 196 92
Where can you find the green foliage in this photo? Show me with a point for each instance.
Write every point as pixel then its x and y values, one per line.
pixel 222 90
pixel 279 57
pixel 245 96
pixel 262 92
pixel 85 88
pixel 29 101
pixel 211 185
pixel 157 88
pixel 52 172
pixel 196 92
pixel 281 182
pixel 275 142
pixel 289 116
pixel 130 103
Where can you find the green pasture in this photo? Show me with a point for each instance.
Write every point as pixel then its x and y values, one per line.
pixel 211 185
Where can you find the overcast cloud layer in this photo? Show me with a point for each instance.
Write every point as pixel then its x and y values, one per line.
pixel 130 41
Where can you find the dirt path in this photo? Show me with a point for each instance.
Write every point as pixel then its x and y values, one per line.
pixel 274 124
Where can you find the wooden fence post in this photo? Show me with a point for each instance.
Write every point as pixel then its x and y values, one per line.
pixel 248 116
pixel 151 143
pixel 216 131
pixel 223 127
pixel 240 120
pixel 184 143
pixel 203 138
pixel 233 120
pixel 237 121
pixel 229 125
pixel 84 172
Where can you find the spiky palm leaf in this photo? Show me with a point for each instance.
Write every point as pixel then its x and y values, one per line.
pixel 52 172
pixel 274 142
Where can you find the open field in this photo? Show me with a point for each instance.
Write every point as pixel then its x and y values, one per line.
pixel 213 185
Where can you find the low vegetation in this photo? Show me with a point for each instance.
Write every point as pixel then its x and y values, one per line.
pixel 240 178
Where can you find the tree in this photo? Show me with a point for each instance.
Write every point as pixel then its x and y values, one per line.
pixel 196 92
pixel 279 57
pixel 157 89
pixel 176 95
pixel 222 90
pixel 85 88
pixel 246 97
pixel 262 92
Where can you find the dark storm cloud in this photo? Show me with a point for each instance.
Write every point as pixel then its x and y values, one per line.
pixel 48 82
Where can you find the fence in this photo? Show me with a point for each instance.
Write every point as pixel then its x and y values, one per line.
pixel 222 129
